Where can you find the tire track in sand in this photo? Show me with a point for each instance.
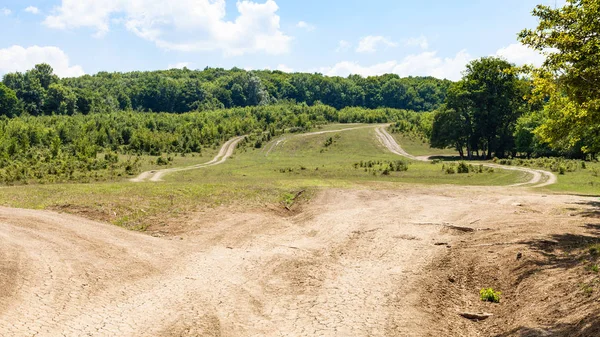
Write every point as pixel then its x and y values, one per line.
pixel 225 152
pixel 539 178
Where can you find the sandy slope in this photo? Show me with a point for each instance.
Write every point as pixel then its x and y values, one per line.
pixel 225 152
pixel 539 178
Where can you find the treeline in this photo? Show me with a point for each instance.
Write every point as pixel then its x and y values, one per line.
pixel 499 110
pixel 487 114
pixel 39 92
pixel 105 146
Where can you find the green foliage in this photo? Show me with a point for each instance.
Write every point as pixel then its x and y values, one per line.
pixel 569 81
pixel 67 148
pixel 162 161
pixel 182 90
pixel 481 110
pixel 9 104
pixel 463 168
pixel 384 167
pixel 489 295
pixel 554 164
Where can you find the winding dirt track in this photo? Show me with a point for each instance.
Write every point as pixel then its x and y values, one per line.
pixel 539 178
pixel 225 152
pixel 348 265
pixel 284 139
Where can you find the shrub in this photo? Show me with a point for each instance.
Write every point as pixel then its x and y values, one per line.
pixel 161 161
pixel 561 170
pixel 489 295
pixel 450 170
pixel 462 167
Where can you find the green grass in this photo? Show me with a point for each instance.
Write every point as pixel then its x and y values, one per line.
pixel 420 147
pixel 249 178
pixel 575 180
pixel 582 182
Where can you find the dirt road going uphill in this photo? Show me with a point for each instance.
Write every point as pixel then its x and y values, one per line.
pixel 348 265
pixel 225 152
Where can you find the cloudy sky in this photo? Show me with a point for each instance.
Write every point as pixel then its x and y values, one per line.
pixel 334 37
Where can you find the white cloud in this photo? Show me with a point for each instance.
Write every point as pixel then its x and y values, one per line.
pixel 343 46
pixel 520 55
pixel 179 65
pixel 32 10
pixel 285 69
pixel 423 64
pixel 307 26
pixel 5 11
pixel 182 25
pixel 420 41
pixel 17 58
pixel 369 44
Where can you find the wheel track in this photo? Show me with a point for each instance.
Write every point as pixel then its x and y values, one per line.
pixel 540 178
pixel 225 153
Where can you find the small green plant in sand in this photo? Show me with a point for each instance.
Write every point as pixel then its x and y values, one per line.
pixel 489 295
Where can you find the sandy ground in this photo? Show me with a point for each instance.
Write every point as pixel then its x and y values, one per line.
pixel 351 263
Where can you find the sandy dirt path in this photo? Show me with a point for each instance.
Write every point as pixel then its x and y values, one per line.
pixel 225 152
pixel 348 265
pixel 539 178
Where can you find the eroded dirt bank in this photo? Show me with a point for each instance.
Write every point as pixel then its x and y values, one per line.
pixel 535 249
pixel 352 263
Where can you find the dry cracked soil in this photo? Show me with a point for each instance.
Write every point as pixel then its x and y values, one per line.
pixel 350 263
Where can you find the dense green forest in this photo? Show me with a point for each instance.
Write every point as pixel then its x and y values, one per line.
pixel 40 92
pixel 104 146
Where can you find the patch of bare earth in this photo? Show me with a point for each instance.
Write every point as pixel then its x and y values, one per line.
pixel 348 263
pixel 536 252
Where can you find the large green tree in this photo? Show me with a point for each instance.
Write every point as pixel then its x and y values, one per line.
pixel 487 103
pixel 8 102
pixel 569 80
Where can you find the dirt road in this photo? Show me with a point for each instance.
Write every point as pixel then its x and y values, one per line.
pixel 283 140
pixel 225 152
pixel 539 178
pixel 348 265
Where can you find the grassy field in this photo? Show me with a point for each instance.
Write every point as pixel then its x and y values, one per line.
pixel 418 147
pixel 575 180
pixel 251 178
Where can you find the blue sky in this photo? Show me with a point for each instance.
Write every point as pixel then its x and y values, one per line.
pixel 427 37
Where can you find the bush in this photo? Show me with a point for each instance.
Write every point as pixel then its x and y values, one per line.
pixel 450 170
pixel 489 295
pixel 161 161
pixel 463 167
